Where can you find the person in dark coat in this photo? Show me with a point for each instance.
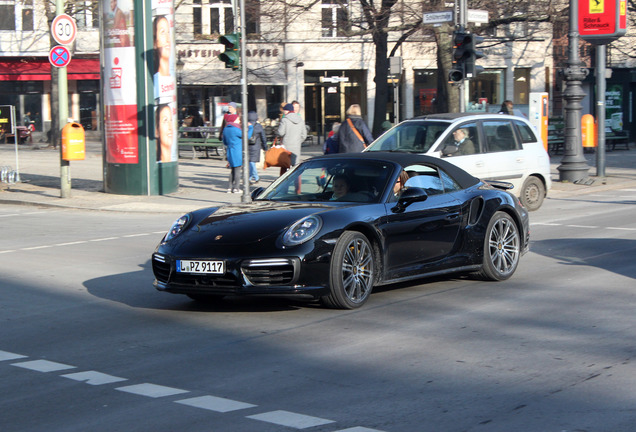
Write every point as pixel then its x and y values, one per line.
pixel 348 138
pixel 257 143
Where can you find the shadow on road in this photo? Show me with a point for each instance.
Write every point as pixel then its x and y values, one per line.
pixel 615 255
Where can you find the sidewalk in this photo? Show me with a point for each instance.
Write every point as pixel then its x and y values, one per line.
pixel 203 182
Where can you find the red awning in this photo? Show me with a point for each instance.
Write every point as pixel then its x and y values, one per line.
pixel 39 69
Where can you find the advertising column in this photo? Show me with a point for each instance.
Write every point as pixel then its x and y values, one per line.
pixel 139 87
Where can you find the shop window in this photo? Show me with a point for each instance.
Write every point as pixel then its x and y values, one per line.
pixel 522 86
pixel 335 18
pixel 486 91
pixel 425 92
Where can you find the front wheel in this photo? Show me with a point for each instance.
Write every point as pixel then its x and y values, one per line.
pixel 351 273
pixel 502 248
pixel 532 193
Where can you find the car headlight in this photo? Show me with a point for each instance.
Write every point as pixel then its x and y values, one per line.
pixel 177 227
pixel 301 231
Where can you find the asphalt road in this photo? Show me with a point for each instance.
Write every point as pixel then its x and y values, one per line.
pixel 87 344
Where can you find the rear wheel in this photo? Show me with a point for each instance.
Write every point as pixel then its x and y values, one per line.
pixel 532 193
pixel 351 272
pixel 501 248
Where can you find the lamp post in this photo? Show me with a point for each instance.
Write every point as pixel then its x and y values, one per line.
pixel 573 165
pixel 298 64
pixel 180 66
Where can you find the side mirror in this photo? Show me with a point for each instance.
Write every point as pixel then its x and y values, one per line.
pixel 256 192
pixel 408 196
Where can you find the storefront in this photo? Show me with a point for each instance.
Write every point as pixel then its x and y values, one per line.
pixel 26 84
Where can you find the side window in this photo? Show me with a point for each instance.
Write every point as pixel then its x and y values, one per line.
pixel 450 185
pixel 424 177
pixel 527 134
pixel 500 136
pixel 464 140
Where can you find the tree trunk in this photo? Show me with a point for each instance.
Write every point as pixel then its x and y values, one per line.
pixel 447 94
pixel 381 84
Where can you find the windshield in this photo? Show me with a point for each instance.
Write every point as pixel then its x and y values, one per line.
pixel 411 137
pixel 344 180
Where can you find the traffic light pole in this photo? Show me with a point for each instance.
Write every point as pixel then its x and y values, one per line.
pixel 462 20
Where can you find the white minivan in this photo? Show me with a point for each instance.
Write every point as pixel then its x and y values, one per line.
pixel 491 147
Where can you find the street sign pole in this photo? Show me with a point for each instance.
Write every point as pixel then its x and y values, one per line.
pixel 65 168
pixel 246 157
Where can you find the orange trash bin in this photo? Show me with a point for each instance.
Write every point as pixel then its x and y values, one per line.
pixel 73 142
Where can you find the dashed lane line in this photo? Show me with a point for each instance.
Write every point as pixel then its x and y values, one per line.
pixel 290 419
pixel 213 403
pixel 151 390
pixel 582 226
pixel 73 243
pixel 206 402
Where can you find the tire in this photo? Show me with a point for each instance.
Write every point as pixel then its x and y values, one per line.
pixel 532 193
pixel 351 274
pixel 502 248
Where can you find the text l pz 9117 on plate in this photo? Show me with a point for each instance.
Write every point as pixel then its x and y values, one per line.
pixel 198 266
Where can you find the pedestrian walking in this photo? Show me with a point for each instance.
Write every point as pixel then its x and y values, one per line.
pixel 257 142
pixel 507 108
pixel 354 134
pixel 292 132
pixel 233 141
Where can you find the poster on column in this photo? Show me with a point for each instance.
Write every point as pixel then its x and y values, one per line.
pixel 120 82
pixel 164 80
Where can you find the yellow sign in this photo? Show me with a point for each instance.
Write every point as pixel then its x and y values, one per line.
pixel 622 8
pixel 597 6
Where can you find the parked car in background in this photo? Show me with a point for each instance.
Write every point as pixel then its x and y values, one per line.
pixel 504 148
pixel 336 226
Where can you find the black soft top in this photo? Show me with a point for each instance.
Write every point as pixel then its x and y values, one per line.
pixel 464 179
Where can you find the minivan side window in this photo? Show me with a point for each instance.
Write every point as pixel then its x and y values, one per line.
pixel 527 134
pixel 500 136
pixel 463 140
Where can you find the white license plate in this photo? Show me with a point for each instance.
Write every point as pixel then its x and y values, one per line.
pixel 199 266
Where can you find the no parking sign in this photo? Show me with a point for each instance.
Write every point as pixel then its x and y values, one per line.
pixel 59 56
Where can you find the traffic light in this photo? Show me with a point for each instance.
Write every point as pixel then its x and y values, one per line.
pixel 231 56
pixel 471 69
pixel 460 55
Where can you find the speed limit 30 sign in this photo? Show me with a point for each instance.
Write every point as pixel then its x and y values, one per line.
pixel 64 29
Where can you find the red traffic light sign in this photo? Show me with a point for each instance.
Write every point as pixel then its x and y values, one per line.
pixel 64 29
pixel 59 56
pixel 602 21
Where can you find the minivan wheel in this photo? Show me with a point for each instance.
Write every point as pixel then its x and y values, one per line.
pixel 532 193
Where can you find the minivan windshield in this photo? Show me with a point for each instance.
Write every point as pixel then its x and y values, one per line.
pixel 410 137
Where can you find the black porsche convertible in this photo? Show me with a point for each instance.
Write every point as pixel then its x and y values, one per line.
pixel 336 226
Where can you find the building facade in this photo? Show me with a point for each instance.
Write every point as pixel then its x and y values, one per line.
pixel 311 51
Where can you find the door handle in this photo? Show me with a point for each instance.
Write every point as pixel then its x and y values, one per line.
pixel 452 216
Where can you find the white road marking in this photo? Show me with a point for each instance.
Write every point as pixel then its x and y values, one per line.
pixel 211 403
pixel 43 366
pixel 290 419
pixel 81 242
pixel 581 226
pixel 94 377
pixel 358 429
pixel 214 403
pixel 151 390
pixel 6 355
